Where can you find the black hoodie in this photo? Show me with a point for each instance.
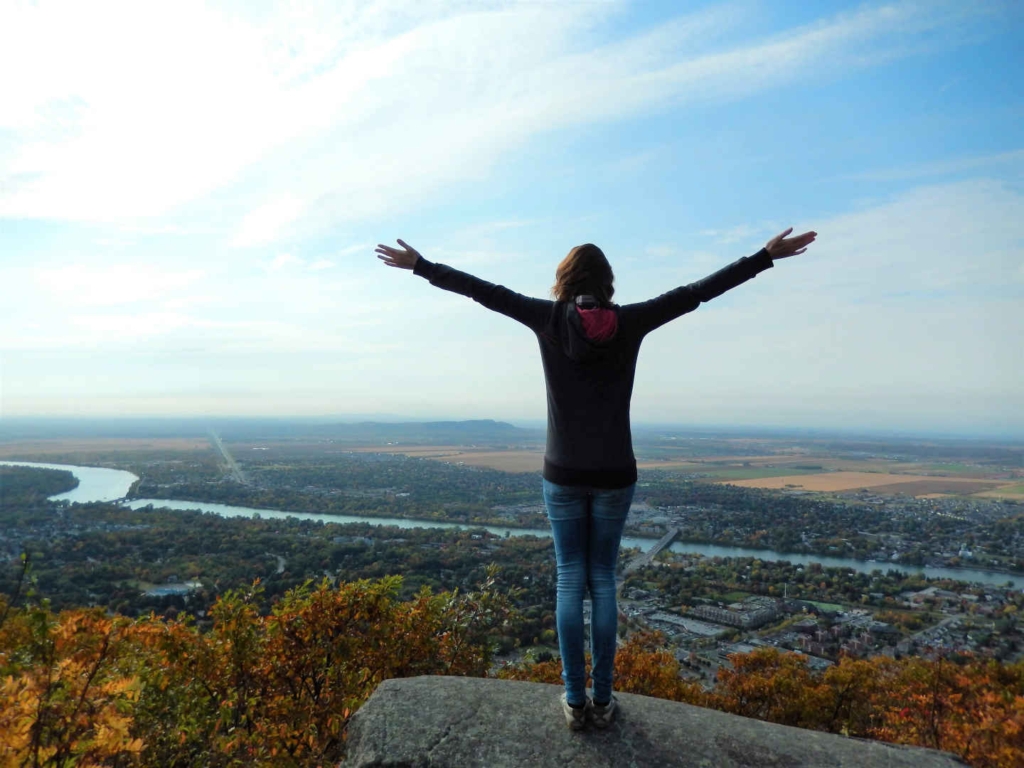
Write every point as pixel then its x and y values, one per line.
pixel 590 383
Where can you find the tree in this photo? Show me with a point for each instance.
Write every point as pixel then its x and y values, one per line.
pixel 78 688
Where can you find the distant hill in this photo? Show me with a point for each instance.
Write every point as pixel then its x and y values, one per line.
pixel 459 432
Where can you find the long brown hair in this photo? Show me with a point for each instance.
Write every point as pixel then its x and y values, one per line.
pixel 584 272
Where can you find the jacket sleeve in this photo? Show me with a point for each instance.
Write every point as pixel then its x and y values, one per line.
pixel 652 314
pixel 533 313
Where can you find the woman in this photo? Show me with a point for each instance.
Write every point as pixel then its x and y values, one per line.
pixel 589 348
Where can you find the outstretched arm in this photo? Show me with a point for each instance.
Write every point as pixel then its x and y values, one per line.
pixel 530 312
pixel 779 247
pixel 656 312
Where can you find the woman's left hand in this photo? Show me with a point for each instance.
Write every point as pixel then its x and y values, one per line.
pixel 404 258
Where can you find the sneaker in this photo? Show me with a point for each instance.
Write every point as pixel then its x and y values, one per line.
pixel 575 717
pixel 602 717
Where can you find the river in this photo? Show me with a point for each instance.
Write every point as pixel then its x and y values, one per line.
pixel 94 483
pixel 99 484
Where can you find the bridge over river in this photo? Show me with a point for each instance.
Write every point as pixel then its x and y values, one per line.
pixel 645 558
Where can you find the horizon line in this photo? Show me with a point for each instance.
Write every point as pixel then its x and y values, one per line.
pixel 733 429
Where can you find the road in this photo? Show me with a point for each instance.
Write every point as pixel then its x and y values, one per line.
pixel 236 471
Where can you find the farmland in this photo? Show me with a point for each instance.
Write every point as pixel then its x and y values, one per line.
pixel 778 471
pixel 819 465
pixel 91 448
pixel 877 482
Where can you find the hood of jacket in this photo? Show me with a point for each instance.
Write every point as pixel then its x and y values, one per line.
pixel 587 334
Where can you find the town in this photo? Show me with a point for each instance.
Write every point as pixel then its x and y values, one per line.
pixel 708 609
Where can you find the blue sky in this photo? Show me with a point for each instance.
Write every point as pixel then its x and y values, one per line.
pixel 190 195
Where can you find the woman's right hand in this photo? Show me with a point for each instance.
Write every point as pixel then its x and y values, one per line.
pixel 403 258
pixel 782 247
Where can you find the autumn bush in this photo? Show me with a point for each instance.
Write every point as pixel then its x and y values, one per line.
pixel 973 708
pixel 254 688
pixel 261 684
pixel 642 665
pixel 63 700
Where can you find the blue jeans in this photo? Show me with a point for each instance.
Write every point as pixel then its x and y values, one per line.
pixel 587 524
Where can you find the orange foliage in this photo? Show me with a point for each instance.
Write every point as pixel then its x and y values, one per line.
pixel 257 687
pixel 974 710
pixel 81 689
pixel 61 703
pixel 770 686
pixel 642 665
pixel 534 672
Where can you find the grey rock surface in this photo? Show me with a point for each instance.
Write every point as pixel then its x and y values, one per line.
pixel 463 721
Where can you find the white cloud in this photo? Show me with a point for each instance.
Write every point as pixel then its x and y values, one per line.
pixel 742 233
pixel 98 284
pixel 288 261
pixel 264 224
pixel 364 248
pixel 963 237
pixel 161 99
pixel 128 111
pixel 283 260
pixel 911 301
pixel 116 328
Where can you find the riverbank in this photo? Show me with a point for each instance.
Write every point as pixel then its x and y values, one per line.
pixel 641 543
pixel 101 484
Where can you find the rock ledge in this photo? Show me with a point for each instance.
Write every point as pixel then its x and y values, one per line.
pixel 463 721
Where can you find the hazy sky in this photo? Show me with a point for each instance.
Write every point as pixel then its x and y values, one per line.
pixel 190 195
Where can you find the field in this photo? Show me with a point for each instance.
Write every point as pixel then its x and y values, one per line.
pixel 784 470
pixel 98 446
pixel 878 482
pixel 533 461
pixel 1006 492
pixel 748 473
pixel 506 461
pixel 826 467
pixel 938 486
pixel 416 451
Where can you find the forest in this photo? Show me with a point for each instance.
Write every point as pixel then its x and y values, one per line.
pixel 20 486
